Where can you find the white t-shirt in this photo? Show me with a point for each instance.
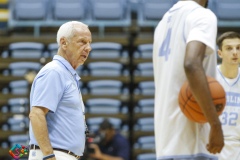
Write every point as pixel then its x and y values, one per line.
pixel 176 136
pixel 230 117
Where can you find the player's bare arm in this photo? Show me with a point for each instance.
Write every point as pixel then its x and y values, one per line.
pixel 39 126
pixel 195 74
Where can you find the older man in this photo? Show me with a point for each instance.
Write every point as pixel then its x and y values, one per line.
pixel 57 128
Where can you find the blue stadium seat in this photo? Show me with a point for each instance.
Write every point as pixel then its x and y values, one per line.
pixel 145 142
pixel 145 106
pixel 145 88
pixel 21 68
pixel 18 105
pixel 94 122
pixel 151 12
pixel 227 12
pixel 53 13
pixel 19 87
pixel 21 139
pixel 109 13
pixel 16 123
pixel 72 9
pixel 106 50
pixel 104 68
pixel 26 50
pixel 81 70
pixel 45 13
pixel 30 9
pixel 146 156
pixel 107 87
pixel 28 13
pixel 144 69
pixel 144 51
pixel 144 124
pixel 104 106
pixel 52 48
pixel 108 9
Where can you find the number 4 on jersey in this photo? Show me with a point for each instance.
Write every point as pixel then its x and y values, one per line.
pixel 165 49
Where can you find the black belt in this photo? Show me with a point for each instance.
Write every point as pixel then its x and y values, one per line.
pixel 32 146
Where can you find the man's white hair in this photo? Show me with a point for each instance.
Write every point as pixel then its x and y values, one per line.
pixel 66 30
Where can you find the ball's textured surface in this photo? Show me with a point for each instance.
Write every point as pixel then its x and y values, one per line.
pixel 190 107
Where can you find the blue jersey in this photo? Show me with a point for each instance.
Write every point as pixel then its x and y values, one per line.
pixel 230 117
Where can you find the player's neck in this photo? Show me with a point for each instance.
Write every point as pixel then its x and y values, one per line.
pixel 229 71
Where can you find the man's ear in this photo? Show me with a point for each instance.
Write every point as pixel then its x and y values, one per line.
pixel 63 43
pixel 219 52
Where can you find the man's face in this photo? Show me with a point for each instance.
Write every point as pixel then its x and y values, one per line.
pixel 78 46
pixel 106 134
pixel 230 52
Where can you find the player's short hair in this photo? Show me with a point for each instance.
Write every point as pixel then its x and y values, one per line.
pixel 67 30
pixel 226 35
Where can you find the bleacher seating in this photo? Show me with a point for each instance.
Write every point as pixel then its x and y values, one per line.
pixel 93 123
pixel 145 88
pixel 21 68
pixel 22 14
pixel 107 87
pixel 21 139
pixel 16 106
pixel 144 51
pixel 144 124
pixel 146 156
pixel 105 106
pixel 227 12
pixel 145 142
pixel 151 11
pixel 108 69
pixel 128 62
pixel 107 50
pixel 48 13
pixel 144 69
pixel 25 50
pixel 145 106
pixel 19 87
pixel 72 9
pixel 106 13
pixel 16 123
pixel 52 49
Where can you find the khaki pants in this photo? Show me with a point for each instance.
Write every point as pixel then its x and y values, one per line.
pixel 37 155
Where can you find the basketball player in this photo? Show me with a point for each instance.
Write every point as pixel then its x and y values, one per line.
pixel 228 76
pixel 184 47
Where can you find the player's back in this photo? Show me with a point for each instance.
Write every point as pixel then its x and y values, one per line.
pixel 170 39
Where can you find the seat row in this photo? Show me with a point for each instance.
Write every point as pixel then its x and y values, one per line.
pixel 95 69
pixel 106 50
pixel 110 51
pixel 52 13
pixel 143 145
pixel 103 87
pixel 15 126
pixel 151 11
pixel 106 13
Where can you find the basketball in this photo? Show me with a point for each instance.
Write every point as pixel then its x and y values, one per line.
pixel 190 107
